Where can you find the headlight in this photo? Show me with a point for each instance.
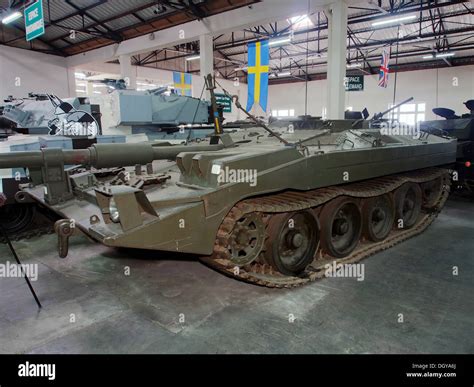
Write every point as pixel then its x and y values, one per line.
pixel 113 211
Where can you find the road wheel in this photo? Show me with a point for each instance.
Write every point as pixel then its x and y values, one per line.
pixel 408 199
pixel 247 239
pixel 378 215
pixel 341 226
pixel 292 240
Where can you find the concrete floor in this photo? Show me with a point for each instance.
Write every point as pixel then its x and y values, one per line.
pixel 140 313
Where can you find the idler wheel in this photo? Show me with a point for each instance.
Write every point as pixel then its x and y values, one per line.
pixel 408 199
pixel 15 218
pixel 378 215
pixel 432 191
pixel 341 226
pixel 247 239
pixel 292 241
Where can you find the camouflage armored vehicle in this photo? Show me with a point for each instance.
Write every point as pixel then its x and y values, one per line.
pixel 266 207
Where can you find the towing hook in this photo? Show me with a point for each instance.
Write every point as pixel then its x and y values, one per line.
pixel 64 228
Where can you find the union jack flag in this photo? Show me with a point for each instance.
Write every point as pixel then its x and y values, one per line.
pixel 383 73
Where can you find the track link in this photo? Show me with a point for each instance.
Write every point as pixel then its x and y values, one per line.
pixel 41 224
pixel 260 273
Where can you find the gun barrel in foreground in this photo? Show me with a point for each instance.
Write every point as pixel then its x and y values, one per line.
pixel 99 155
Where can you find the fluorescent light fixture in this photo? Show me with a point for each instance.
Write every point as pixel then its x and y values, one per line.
pixel 354 65
pixel 439 55
pixel 393 20
pixel 99 85
pixel 194 57
pixel 302 21
pixel 276 42
pixel 286 74
pixel 80 91
pixel 97 92
pixel 80 75
pixel 11 17
pixel 445 55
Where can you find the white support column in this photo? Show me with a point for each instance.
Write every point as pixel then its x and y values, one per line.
pixel 206 52
pixel 89 89
pixel 71 82
pixel 337 30
pixel 127 71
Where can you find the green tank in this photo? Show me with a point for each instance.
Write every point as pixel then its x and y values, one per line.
pixel 462 128
pixel 271 208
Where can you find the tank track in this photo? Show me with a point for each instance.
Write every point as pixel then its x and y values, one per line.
pixel 260 273
pixel 30 233
pixel 41 224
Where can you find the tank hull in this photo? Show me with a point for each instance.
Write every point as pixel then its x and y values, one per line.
pixel 271 209
pixel 193 193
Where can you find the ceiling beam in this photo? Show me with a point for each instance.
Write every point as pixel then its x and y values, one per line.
pixel 376 58
pixel 423 6
pixel 54 50
pixel 323 27
pixel 236 19
pixel 78 12
pixel 110 34
pixel 112 18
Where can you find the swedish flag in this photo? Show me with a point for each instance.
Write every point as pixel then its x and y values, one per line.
pixel 258 67
pixel 183 83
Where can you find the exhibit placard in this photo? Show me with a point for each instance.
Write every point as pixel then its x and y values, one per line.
pixel 34 20
pixel 225 101
pixel 354 83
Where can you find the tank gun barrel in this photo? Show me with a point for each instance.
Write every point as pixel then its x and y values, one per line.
pixel 378 116
pixel 100 155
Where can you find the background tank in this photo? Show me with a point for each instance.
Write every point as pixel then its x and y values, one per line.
pixel 462 128
pixel 40 114
pixel 157 113
pixel 352 120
